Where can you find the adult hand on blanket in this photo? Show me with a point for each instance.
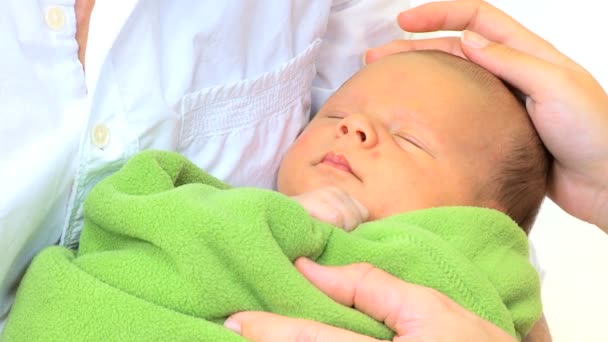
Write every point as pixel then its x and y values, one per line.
pixel 333 205
pixel 566 104
pixel 413 312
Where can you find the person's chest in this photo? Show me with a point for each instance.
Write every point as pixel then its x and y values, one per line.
pixel 226 84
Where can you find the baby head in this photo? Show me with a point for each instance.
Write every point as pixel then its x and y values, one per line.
pixel 418 130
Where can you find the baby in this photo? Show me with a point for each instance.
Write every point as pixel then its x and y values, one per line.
pixel 429 149
pixel 419 130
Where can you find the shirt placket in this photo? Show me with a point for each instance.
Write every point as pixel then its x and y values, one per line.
pixel 102 146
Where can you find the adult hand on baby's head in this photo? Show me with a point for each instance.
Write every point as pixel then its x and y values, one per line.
pixel 413 312
pixel 567 105
pixel 333 205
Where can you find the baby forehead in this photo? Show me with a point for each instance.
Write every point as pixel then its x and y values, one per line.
pixel 402 77
pixel 438 64
pixel 417 60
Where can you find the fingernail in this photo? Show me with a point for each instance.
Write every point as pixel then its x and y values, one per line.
pixel 473 39
pixel 363 59
pixel 233 325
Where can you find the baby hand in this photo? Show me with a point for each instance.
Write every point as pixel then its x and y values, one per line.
pixel 333 205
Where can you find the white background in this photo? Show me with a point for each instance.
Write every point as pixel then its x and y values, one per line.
pixel 573 255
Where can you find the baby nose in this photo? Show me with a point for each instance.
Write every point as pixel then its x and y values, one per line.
pixel 357 126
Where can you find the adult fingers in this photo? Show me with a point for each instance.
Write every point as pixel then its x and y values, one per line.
pixel 446 44
pixel 480 17
pixel 529 73
pixel 268 327
pixel 357 285
pixel 354 285
pixel 413 312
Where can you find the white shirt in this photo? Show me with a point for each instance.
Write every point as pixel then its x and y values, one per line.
pixel 226 83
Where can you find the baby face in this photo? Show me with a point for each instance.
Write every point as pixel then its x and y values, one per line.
pixel 405 133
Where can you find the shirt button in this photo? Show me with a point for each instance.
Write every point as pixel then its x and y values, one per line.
pixel 100 136
pixel 55 18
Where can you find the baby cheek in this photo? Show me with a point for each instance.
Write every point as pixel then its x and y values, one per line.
pixel 304 139
pixel 375 155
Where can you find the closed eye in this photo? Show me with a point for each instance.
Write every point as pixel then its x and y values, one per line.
pixel 333 114
pixel 402 139
pixel 409 140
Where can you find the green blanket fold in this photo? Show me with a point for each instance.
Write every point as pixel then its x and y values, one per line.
pixel 168 252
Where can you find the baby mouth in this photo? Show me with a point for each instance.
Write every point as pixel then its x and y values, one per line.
pixel 337 161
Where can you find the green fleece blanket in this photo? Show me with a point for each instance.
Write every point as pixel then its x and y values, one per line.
pixel 168 252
